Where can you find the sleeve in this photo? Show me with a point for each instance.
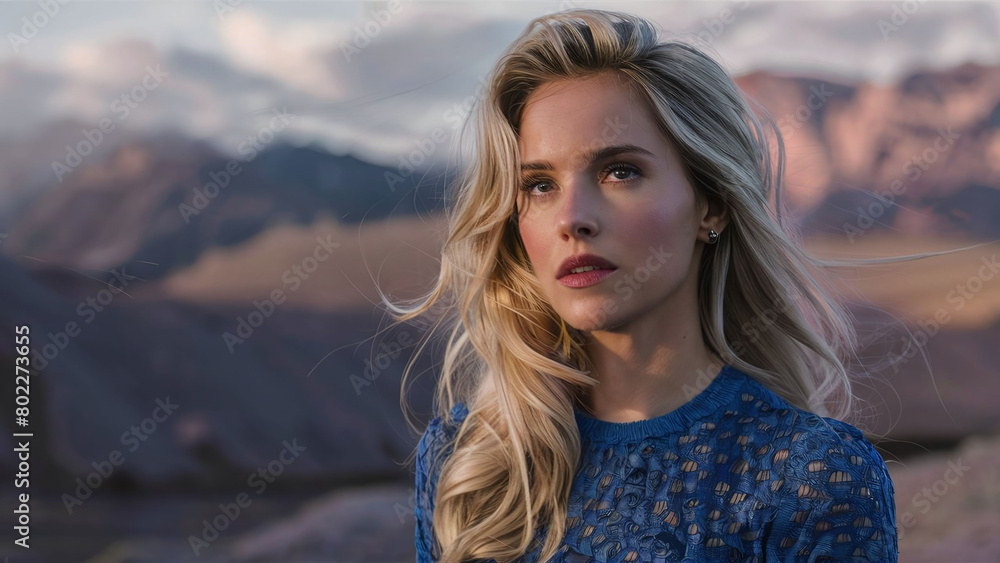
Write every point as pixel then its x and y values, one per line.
pixel 837 499
pixel 425 487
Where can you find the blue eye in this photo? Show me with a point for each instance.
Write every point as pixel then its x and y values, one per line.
pixel 532 182
pixel 624 168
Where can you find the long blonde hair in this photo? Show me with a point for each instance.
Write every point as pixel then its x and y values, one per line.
pixel 516 364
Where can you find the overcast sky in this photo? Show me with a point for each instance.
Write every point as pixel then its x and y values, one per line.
pixel 222 71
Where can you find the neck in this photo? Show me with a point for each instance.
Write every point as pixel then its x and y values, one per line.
pixel 647 368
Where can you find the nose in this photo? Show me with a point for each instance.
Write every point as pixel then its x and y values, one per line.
pixel 577 213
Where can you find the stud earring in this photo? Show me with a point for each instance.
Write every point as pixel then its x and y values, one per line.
pixel 713 237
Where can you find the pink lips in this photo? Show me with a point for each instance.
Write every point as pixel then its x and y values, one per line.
pixel 584 279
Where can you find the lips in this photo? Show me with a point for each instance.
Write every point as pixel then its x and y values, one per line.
pixel 581 260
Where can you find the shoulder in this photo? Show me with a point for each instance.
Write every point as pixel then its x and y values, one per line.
pixel 824 449
pixel 829 458
pixel 801 431
pixel 438 435
pixel 834 495
pixel 434 445
pixel 444 427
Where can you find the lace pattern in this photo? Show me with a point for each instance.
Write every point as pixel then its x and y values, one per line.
pixel 736 474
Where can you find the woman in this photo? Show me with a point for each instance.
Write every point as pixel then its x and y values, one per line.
pixel 642 365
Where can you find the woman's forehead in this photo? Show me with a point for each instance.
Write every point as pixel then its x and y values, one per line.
pixel 571 120
pixel 572 94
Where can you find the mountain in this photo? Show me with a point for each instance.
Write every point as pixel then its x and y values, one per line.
pixel 921 156
pixel 151 202
pixel 159 382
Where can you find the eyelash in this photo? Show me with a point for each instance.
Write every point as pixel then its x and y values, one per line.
pixel 530 183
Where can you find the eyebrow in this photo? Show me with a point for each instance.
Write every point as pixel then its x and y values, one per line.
pixel 592 156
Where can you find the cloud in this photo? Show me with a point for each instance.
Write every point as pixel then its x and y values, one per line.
pixel 419 63
pixel 288 52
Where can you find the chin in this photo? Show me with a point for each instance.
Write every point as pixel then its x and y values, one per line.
pixel 594 314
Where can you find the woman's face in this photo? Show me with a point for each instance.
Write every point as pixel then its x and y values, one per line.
pixel 634 208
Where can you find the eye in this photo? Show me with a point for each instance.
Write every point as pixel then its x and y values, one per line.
pixel 530 183
pixel 626 168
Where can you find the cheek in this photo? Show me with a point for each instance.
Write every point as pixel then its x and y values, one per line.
pixel 645 228
pixel 657 223
pixel 534 244
pixel 648 231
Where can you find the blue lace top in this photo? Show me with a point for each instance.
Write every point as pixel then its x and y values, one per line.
pixel 734 474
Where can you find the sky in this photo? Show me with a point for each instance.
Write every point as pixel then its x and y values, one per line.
pixel 375 79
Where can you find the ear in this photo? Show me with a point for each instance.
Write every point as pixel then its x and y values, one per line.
pixel 714 215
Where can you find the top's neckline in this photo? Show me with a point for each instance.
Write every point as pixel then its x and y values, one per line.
pixel 714 395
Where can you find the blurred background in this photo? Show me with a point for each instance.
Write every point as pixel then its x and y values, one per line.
pixel 199 200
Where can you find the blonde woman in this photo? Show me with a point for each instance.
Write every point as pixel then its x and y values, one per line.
pixel 642 364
